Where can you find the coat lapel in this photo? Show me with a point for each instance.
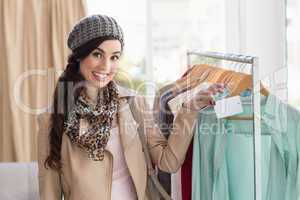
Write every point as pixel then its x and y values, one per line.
pixel 132 148
pixel 127 125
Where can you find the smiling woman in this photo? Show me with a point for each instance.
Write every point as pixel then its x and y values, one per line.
pixel 100 66
pixel 88 145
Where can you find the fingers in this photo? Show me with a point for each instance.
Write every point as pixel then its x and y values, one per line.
pixel 202 100
pixel 215 88
pixel 208 94
pixel 218 85
pixel 208 99
pixel 212 90
pixel 205 98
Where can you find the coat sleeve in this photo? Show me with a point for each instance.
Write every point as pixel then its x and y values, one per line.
pixel 169 154
pixel 49 179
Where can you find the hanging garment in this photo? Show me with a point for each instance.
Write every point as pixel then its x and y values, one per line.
pixel 223 154
pixel 284 124
pixel 164 121
pixel 164 118
pixel 192 78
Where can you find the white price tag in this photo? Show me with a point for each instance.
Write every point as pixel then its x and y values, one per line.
pixel 228 107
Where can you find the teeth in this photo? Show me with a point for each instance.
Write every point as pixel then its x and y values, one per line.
pixel 101 76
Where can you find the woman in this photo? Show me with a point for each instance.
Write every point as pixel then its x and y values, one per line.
pixel 88 144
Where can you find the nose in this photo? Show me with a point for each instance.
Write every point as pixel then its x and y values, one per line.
pixel 104 65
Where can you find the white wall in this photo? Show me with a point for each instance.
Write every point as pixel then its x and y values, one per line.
pixel 258 27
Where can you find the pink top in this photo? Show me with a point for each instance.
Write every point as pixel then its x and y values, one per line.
pixel 122 184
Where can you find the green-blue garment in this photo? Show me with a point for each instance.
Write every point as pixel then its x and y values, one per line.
pixel 284 174
pixel 223 166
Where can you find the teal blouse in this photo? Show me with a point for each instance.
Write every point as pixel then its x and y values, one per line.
pixel 223 166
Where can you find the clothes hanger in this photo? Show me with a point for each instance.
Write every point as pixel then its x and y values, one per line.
pixel 207 73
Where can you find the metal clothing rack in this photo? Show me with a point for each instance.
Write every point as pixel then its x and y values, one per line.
pixel 253 63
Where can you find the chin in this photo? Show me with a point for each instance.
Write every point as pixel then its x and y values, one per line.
pixel 101 84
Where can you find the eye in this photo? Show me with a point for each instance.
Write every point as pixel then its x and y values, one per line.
pixel 114 58
pixel 97 54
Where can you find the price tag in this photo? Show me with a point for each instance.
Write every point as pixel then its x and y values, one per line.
pixel 228 107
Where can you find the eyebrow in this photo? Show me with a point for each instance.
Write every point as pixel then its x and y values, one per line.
pixel 102 51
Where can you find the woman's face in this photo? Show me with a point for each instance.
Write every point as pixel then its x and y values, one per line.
pixel 100 66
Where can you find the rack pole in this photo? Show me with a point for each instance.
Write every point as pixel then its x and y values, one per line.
pixel 257 130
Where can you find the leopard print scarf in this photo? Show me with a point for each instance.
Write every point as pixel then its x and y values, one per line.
pixel 99 118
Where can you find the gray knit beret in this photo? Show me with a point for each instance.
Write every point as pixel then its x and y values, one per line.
pixel 92 27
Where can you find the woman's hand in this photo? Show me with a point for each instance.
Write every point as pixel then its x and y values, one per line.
pixel 204 98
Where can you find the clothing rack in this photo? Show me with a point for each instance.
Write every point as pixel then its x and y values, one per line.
pixel 254 64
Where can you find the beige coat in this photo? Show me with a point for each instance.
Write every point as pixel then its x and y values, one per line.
pixel 84 179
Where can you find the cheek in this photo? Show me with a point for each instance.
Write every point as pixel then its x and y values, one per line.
pixel 113 72
pixel 114 68
pixel 84 71
pixel 86 68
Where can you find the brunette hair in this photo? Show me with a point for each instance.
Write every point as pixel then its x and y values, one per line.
pixel 66 93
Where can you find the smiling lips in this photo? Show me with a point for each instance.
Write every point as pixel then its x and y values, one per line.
pixel 99 76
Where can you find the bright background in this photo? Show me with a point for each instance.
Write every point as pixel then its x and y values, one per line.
pixel 158 34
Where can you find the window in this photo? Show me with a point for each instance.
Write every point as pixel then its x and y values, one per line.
pixel 131 16
pixel 293 46
pixel 159 32
pixel 182 25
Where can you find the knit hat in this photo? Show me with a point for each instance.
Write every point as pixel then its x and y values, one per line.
pixel 94 26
